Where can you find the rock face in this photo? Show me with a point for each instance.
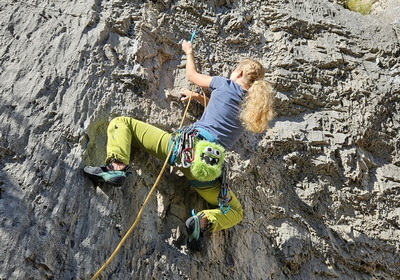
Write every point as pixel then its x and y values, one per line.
pixel 320 189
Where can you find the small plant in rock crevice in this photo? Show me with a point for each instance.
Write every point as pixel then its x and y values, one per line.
pixel 361 6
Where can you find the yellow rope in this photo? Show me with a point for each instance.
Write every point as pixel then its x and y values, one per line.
pixel 204 98
pixel 97 274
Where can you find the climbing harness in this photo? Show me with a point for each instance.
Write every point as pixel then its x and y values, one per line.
pixel 183 144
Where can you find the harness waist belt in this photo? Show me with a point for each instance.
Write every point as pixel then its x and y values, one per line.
pixel 205 135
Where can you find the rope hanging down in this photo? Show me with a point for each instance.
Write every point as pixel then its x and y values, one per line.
pixel 119 246
pixel 125 237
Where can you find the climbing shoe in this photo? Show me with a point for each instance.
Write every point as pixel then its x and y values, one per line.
pixel 195 232
pixel 105 174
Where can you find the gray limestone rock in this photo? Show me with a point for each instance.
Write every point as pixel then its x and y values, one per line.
pixel 320 189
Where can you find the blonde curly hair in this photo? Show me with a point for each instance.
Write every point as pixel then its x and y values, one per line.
pixel 257 107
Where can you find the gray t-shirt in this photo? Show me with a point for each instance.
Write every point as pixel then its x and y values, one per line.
pixel 221 116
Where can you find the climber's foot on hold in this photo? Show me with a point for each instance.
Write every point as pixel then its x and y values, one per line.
pixel 195 227
pixel 105 174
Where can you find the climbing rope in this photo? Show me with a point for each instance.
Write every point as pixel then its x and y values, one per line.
pixel 125 237
pixel 143 206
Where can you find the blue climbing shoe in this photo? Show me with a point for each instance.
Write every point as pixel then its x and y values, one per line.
pixel 195 232
pixel 105 174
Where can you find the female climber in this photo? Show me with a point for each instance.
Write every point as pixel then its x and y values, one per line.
pixel 242 102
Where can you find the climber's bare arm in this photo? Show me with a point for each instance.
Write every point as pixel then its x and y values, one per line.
pixel 191 71
pixel 201 98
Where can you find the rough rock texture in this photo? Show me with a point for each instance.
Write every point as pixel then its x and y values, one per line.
pixel 321 188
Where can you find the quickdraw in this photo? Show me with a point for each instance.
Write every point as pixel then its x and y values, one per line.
pixel 223 198
pixel 193 36
pixel 183 147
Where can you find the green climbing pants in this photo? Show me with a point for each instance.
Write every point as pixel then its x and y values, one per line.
pixel 124 132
